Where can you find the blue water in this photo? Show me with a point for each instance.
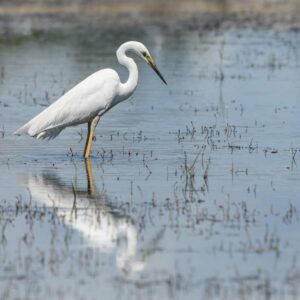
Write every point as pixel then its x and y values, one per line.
pixel 195 184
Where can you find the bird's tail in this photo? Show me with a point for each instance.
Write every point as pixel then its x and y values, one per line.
pixel 45 134
pixel 24 129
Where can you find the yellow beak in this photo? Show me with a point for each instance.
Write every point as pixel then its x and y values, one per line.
pixel 153 66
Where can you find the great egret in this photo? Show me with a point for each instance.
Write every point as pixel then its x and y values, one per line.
pixel 90 99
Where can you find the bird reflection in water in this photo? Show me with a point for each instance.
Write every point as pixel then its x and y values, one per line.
pixel 96 220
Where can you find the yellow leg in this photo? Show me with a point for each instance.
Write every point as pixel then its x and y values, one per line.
pixel 90 180
pixel 91 128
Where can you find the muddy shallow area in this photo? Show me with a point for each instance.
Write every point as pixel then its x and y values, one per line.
pixel 192 190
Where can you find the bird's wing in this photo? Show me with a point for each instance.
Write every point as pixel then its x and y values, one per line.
pixel 83 102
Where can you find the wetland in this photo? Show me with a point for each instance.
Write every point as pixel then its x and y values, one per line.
pixel 192 189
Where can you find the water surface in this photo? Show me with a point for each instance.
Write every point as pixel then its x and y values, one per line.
pixel 192 188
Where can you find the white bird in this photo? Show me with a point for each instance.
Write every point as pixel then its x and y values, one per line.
pixel 90 99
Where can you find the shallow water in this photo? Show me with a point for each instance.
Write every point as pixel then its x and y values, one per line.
pixel 192 188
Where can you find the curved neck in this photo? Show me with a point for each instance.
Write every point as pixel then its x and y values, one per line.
pixel 127 88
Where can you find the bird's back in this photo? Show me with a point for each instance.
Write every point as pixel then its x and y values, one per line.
pixel 89 98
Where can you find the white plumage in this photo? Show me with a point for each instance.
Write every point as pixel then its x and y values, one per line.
pixel 90 99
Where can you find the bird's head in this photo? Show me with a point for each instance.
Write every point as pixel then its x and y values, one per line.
pixel 145 54
pixel 141 50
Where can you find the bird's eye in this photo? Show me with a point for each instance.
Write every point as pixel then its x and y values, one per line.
pixel 144 54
